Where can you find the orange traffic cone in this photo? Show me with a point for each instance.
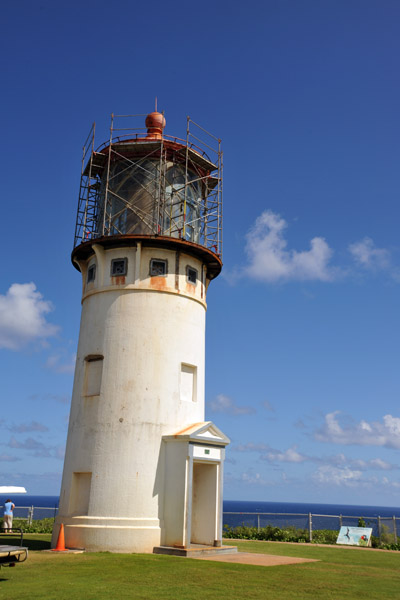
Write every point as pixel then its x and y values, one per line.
pixel 60 542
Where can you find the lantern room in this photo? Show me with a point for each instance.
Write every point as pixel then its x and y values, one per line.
pixel 143 182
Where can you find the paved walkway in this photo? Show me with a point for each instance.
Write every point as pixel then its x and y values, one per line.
pixel 263 560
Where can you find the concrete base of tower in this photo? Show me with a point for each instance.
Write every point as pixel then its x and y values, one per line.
pixel 109 534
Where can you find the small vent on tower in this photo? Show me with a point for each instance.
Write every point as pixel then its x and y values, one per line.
pixel 119 266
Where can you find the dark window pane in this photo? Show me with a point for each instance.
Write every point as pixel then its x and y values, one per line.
pixel 158 267
pixel 192 275
pixel 119 266
pixel 91 275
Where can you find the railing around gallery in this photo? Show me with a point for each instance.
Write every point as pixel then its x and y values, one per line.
pixel 381 526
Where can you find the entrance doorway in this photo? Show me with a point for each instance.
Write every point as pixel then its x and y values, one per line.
pixel 204 520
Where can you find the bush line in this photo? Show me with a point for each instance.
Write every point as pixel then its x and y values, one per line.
pixel 292 534
pixel 37 526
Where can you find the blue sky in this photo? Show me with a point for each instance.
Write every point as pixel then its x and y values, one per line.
pixel 303 324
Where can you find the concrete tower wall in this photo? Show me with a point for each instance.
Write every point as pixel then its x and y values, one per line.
pixel 139 375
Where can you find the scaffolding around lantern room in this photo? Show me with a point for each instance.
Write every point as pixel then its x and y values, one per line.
pixel 138 185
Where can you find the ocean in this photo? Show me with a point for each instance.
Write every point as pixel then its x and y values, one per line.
pixel 325 516
pixel 311 507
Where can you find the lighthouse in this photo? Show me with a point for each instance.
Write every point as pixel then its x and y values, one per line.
pixel 143 470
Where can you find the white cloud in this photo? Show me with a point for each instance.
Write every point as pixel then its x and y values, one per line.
pixel 290 455
pixel 360 464
pixel 363 433
pixel 27 427
pixel 373 259
pixel 38 449
pixel 327 474
pixel 251 478
pixel 54 363
pixel 390 484
pixel 271 261
pixel 378 463
pixel 351 478
pixel 8 458
pixel 60 399
pixel 271 455
pixel 224 404
pixel 22 316
pixel 368 256
pixel 29 444
pixel 51 398
pixel 251 447
pixel 268 406
pixel 59 452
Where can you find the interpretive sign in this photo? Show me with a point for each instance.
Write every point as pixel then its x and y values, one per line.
pixel 354 536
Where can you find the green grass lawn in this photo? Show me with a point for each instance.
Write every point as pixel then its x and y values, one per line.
pixel 342 573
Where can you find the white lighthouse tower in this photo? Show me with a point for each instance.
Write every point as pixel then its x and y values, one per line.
pixel 143 469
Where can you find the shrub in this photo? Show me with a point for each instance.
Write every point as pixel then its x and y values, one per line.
pixel 361 522
pixel 269 533
pixel 324 536
pixel 39 526
pixel 390 546
pixel 386 538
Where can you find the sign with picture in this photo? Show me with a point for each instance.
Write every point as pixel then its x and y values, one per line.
pixel 355 536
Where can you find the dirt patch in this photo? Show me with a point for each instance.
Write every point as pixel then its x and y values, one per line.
pixel 263 560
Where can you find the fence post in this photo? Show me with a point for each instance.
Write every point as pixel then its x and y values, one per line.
pixel 258 522
pixel 394 530
pixel 310 527
pixel 31 516
pixel 379 529
pixel 340 520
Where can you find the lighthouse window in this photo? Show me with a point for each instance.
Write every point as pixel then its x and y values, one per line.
pixel 93 375
pixel 158 268
pixel 192 275
pixel 188 383
pixel 91 275
pixel 119 266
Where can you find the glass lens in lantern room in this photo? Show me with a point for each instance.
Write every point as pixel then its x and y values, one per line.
pixel 140 202
pixel 182 214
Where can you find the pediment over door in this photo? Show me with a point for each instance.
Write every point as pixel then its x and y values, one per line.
pixel 205 432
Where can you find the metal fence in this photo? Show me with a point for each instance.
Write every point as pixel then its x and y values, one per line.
pixel 385 528
pixel 30 513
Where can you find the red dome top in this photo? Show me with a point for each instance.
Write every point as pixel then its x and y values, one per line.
pixel 155 123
